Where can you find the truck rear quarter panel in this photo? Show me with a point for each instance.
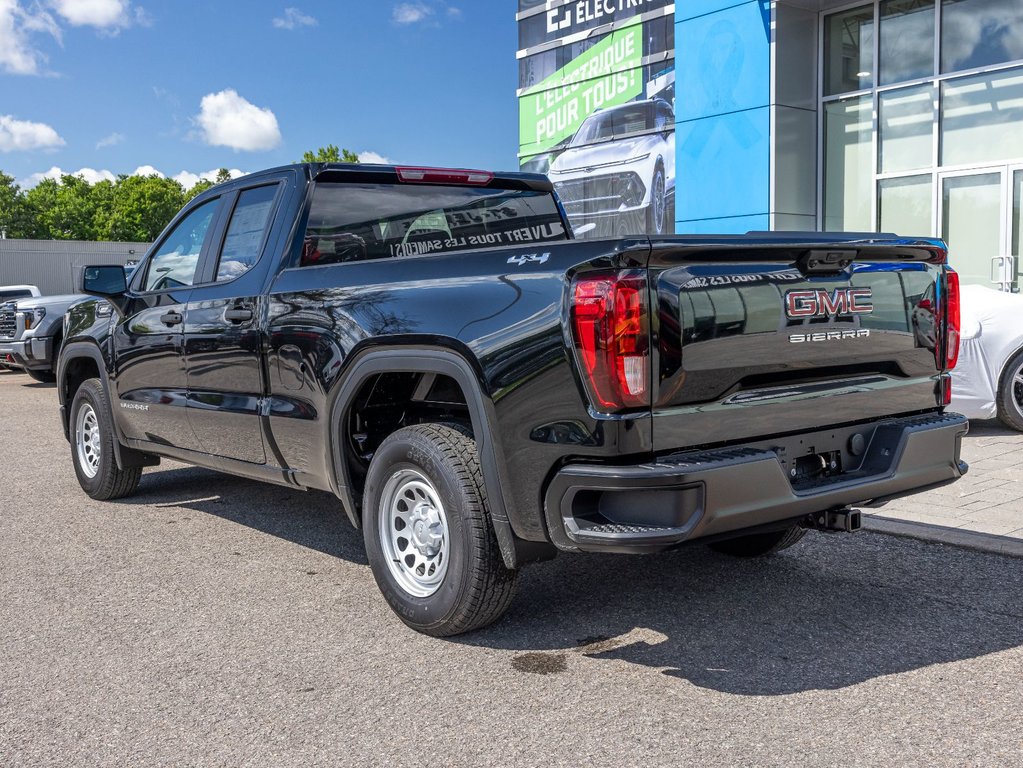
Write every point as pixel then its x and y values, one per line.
pixel 502 309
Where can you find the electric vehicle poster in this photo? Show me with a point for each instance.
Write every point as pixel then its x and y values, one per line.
pixel 599 122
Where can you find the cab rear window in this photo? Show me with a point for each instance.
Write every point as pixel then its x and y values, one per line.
pixel 358 222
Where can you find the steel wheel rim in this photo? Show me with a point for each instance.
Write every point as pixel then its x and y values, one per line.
pixel 413 532
pixel 87 440
pixel 1017 391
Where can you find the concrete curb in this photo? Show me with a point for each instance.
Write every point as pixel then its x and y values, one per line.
pixel 956 537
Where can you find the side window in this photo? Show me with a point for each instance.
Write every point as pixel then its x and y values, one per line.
pixel 245 232
pixel 175 263
pixel 664 118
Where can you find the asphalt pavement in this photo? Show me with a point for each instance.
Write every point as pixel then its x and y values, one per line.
pixel 213 621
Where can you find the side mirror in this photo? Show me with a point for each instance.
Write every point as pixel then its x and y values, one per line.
pixel 107 281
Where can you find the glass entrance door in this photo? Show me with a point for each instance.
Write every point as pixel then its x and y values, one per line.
pixel 1016 227
pixel 971 224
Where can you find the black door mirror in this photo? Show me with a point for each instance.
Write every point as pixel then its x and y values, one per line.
pixel 105 281
pixel 108 281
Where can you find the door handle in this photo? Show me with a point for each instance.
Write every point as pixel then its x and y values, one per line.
pixel 238 315
pixel 171 318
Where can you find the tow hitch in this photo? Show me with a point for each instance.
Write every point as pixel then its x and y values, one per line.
pixel 835 521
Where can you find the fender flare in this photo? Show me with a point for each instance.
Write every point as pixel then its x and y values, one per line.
pixel 447 363
pixel 127 458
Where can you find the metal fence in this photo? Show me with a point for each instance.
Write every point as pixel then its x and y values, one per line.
pixel 53 265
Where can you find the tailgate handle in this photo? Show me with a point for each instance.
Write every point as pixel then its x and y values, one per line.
pixel 829 261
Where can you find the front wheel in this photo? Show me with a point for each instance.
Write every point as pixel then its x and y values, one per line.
pixel 656 213
pixel 429 536
pixel 759 544
pixel 92 446
pixel 1010 393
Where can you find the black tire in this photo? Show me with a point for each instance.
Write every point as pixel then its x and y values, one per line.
pixel 759 544
pixel 1010 393
pixel 43 377
pixel 108 481
pixel 476 588
pixel 657 212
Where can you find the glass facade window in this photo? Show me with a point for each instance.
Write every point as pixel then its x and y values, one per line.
pixel 906 50
pixel 849 51
pixel 906 121
pixel 906 206
pixel 979 33
pixel 982 118
pixel 848 164
pixel 1017 214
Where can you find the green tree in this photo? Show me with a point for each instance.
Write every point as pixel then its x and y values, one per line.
pixel 198 188
pixel 222 175
pixel 70 209
pixel 142 207
pixel 16 217
pixel 330 154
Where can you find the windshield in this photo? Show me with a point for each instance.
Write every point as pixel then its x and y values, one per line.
pixel 604 126
pixel 14 294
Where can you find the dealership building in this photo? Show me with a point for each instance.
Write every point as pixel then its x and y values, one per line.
pixel 718 116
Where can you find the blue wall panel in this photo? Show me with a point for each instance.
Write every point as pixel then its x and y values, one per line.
pixel 722 165
pixel 723 95
pixel 736 225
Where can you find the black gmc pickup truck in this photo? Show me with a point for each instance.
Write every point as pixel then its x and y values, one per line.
pixel 480 391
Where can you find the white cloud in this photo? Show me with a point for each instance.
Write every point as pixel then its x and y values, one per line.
pixel 109 15
pixel 187 179
pixel 18 56
pixel 147 170
pixel 228 120
pixel 454 13
pixel 25 135
pixel 109 141
pixel 91 175
pixel 294 18
pixel 373 157
pixel 411 13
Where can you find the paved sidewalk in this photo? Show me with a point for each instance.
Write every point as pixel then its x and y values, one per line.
pixel 984 510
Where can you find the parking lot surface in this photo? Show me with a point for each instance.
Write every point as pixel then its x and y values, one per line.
pixel 984 509
pixel 215 621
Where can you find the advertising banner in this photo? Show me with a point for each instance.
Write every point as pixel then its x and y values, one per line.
pixel 597 115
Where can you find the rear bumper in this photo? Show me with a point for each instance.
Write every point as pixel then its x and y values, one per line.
pixel 687 496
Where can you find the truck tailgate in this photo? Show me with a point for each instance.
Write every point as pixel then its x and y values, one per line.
pixel 756 338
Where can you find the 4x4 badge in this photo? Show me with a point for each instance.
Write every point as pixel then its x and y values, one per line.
pixel 527 258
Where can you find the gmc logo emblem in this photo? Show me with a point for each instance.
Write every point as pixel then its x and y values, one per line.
pixel 842 301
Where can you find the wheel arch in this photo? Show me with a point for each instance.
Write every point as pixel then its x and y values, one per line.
pixel 443 362
pixel 79 361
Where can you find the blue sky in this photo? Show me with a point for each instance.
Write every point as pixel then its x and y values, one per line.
pixel 186 87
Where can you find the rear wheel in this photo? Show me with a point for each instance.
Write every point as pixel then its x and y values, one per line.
pixel 429 537
pixel 92 446
pixel 759 544
pixel 1010 393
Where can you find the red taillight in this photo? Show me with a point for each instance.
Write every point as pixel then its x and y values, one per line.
pixel 609 320
pixel 444 176
pixel 952 319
